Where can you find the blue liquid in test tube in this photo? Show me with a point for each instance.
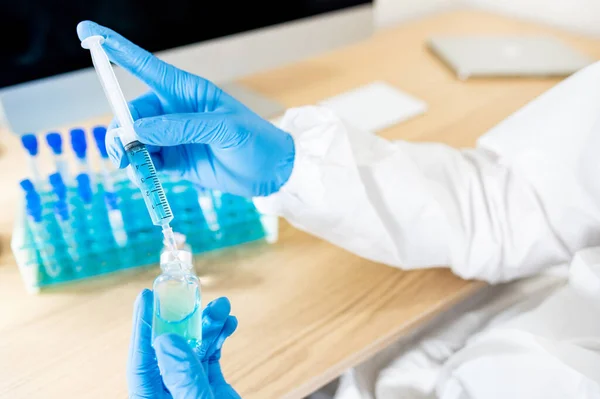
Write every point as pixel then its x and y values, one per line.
pixel 41 237
pixel 63 216
pixel 84 189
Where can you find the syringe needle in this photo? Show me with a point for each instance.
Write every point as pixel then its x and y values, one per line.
pixel 169 237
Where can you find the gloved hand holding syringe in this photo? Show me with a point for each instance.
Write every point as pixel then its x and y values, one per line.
pixel 141 164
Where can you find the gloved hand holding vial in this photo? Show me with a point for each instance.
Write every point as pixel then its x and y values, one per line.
pixel 177 296
pixel 167 367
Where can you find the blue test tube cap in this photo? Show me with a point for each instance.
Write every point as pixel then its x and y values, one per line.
pixel 61 192
pixel 78 142
pixel 56 179
pixel 35 211
pixel 99 136
pixel 112 200
pixel 54 141
pixel 62 210
pixel 27 185
pixel 33 197
pixel 33 201
pixel 30 143
pixel 58 185
pixel 84 187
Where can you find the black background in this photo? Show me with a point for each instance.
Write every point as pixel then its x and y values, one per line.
pixel 38 37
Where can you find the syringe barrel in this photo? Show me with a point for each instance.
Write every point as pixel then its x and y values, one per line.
pixel 111 87
pixel 148 182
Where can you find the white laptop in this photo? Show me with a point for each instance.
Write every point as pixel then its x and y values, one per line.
pixel 496 56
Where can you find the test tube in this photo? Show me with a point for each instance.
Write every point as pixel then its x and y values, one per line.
pixel 207 204
pixel 54 141
pixel 115 217
pixel 99 133
pixel 30 143
pixel 36 224
pixel 79 145
pixel 63 215
pixel 58 186
pixel 84 189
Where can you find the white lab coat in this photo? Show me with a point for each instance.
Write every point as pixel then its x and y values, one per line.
pixel 525 202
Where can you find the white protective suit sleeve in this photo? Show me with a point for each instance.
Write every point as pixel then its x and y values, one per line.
pixel 516 204
pixel 551 351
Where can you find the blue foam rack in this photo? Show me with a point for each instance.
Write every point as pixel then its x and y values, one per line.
pixel 209 220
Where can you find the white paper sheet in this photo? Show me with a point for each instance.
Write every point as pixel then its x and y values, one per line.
pixel 375 106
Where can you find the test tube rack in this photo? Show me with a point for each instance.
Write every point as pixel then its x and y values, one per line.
pixel 208 219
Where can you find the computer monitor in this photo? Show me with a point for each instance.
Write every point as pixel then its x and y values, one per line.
pixel 46 78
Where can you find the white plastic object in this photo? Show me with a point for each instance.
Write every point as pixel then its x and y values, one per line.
pixel 111 87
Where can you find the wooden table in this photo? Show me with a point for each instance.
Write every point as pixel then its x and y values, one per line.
pixel 307 309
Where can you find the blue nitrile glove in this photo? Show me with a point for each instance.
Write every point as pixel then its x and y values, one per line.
pixel 169 368
pixel 196 130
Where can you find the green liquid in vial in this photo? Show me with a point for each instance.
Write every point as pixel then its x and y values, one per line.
pixel 177 308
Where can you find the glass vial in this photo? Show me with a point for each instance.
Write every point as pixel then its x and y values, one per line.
pixel 177 297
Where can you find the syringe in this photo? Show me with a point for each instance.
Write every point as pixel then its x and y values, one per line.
pixel 106 167
pixel 140 162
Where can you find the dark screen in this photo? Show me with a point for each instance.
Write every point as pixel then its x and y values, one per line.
pixel 38 37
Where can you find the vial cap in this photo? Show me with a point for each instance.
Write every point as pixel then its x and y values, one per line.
pixel 100 136
pixel 30 143
pixel 54 141
pixel 78 142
